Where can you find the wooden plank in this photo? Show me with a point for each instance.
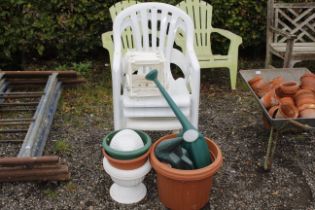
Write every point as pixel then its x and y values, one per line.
pixel 294 5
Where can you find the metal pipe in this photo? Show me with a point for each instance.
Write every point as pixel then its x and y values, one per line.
pixel 45 126
pixel 32 134
pixel 22 172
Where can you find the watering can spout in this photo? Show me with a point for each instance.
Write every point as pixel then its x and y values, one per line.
pixel 194 141
pixel 153 75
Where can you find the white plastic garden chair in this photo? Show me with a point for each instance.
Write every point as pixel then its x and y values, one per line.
pixel 201 13
pixel 107 37
pixel 153 112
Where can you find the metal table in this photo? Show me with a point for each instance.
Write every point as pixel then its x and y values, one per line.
pixel 276 125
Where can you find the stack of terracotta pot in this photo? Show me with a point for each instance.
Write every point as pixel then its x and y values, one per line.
pixel 286 99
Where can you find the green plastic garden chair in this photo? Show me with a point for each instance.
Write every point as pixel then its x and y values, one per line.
pixel 107 37
pixel 201 13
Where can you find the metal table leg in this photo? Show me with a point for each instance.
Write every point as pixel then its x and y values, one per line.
pixel 272 142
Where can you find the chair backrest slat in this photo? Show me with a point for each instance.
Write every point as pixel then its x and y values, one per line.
pixel 164 19
pixel 114 10
pixel 152 28
pixel 201 13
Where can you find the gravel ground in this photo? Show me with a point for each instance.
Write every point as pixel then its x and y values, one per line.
pixel 231 118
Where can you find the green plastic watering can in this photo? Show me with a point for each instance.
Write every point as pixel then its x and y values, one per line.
pixel 189 150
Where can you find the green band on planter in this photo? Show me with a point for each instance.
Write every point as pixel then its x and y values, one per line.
pixel 126 155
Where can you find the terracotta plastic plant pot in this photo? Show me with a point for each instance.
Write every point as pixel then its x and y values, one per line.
pixel 185 189
pixel 303 101
pixel 287 89
pixel 259 86
pixel 270 99
pixel 276 82
pixel 273 111
pixel 255 80
pixel 304 96
pixel 126 155
pixel 307 111
pixel 127 164
pixel 287 110
pixel 286 100
pixel 308 81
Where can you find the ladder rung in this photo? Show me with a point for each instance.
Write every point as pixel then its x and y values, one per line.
pixel 17 120
pixel 20 104
pixel 14 123
pixel 21 93
pixel 11 140
pixel 17 109
pixel 22 96
pixel 13 131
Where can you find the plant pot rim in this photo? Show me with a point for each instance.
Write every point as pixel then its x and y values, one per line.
pixel 186 175
pixel 126 164
pixel 255 79
pixel 306 106
pixel 303 91
pixel 126 155
pixel 273 111
pixel 289 88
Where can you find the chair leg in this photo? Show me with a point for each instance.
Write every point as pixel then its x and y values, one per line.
pixel 233 75
pixel 268 60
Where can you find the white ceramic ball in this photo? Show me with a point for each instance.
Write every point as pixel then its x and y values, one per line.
pixel 126 140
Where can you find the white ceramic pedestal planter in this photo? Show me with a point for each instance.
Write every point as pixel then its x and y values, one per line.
pixel 128 187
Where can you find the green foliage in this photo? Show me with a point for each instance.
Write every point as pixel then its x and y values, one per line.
pixel 61 67
pixel 70 30
pixel 62 147
pixel 66 29
pixel 83 67
pixel 50 193
pixel 246 18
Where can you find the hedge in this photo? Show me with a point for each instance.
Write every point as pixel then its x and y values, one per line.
pixel 69 30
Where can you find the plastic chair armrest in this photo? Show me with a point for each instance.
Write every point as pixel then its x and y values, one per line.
pixel 107 40
pixel 180 40
pixel 194 75
pixel 235 39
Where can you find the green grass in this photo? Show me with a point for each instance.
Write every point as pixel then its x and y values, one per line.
pixel 52 194
pixel 62 147
pixel 71 187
